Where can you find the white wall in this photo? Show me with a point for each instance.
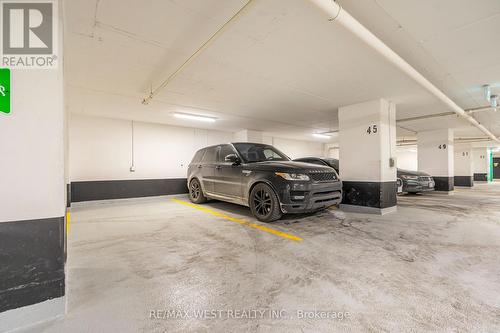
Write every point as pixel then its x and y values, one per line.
pixel 481 160
pixel 32 147
pixel 101 148
pixel 463 161
pixel 248 136
pixel 407 158
pixel 296 148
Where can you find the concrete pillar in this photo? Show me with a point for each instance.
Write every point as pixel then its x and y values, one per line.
pixel 464 175
pixel 248 136
pixel 32 193
pixel 481 164
pixel 367 146
pixel 436 157
pixel 331 150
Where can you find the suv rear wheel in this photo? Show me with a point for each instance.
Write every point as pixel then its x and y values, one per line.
pixel 264 203
pixel 196 192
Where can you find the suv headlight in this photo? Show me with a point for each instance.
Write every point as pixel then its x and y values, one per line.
pixel 293 176
pixel 407 177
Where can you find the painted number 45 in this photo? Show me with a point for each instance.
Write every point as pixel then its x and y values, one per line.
pixel 372 129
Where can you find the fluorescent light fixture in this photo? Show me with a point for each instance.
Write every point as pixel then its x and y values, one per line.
pixel 494 101
pixel 321 136
pixel 191 116
pixel 487 92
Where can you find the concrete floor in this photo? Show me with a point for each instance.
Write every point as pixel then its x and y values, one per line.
pixel 432 266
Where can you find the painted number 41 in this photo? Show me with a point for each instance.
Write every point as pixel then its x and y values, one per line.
pixel 373 129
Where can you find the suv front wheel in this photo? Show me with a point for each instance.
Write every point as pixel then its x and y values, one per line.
pixel 196 192
pixel 264 203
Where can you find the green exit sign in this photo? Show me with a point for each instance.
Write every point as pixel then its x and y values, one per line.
pixel 5 90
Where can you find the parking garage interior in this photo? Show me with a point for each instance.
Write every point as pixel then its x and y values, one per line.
pixel 98 228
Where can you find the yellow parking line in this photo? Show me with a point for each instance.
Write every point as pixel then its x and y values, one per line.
pixel 240 221
pixel 68 219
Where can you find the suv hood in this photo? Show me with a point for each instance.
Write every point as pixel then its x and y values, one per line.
pixel 412 173
pixel 286 166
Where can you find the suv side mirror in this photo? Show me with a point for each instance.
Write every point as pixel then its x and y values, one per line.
pixel 232 158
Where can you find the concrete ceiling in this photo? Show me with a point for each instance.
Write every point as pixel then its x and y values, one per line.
pixel 281 67
pixel 453 43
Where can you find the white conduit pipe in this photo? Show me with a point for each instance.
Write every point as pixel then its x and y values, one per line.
pixel 335 13
pixel 193 56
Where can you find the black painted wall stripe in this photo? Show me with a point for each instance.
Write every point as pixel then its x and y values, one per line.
pixel 32 262
pixel 370 194
pixel 68 195
pixel 464 181
pixel 446 184
pixel 481 177
pixel 121 189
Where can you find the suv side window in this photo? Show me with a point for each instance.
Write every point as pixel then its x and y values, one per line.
pixel 198 156
pixel 224 151
pixel 210 155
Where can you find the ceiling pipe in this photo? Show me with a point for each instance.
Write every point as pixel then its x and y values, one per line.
pixel 330 132
pixel 480 109
pixel 459 139
pixel 337 14
pixel 402 143
pixel 445 114
pixel 193 56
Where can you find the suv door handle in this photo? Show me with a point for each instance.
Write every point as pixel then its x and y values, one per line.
pixel 199 166
pixel 217 167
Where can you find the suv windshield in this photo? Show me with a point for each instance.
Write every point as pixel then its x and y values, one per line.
pixel 254 152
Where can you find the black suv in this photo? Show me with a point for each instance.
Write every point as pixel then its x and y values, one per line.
pixel 331 162
pixel 263 178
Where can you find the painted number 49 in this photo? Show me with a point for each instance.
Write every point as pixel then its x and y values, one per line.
pixel 372 129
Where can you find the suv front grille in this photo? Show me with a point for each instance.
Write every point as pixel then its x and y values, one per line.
pixel 424 179
pixel 323 176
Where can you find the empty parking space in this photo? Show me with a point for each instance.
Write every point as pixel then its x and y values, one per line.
pixel 428 267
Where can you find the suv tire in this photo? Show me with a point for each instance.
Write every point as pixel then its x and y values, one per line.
pixel 264 203
pixel 196 192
